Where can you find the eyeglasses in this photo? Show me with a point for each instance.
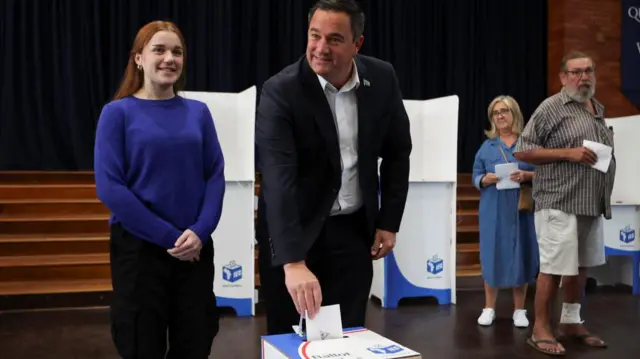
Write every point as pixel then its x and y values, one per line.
pixel 502 111
pixel 578 73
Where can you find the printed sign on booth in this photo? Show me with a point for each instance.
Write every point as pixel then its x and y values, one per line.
pixel 435 265
pixel 620 231
pixel 232 272
pixel 627 234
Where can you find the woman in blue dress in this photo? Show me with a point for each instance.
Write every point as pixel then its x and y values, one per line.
pixel 508 244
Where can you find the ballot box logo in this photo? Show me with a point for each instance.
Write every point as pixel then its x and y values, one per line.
pixel 627 234
pixel 385 349
pixel 435 265
pixel 232 272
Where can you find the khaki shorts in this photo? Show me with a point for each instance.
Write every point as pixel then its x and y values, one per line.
pixel 568 242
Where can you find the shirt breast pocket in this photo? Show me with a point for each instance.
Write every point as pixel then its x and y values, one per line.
pixel 608 136
pixel 493 160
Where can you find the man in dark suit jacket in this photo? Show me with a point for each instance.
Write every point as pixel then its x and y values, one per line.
pixel 322 123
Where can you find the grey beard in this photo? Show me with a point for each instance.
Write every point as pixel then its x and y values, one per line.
pixel 582 96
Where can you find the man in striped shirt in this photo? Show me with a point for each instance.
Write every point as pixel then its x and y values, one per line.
pixel 570 197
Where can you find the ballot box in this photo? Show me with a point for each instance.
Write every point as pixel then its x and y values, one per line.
pixel 359 343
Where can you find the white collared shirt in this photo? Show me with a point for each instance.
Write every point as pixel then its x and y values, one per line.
pixel 344 107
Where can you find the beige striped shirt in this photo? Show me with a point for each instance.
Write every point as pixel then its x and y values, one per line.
pixel 560 122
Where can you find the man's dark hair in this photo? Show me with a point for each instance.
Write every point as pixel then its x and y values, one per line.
pixel 350 7
pixel 572 56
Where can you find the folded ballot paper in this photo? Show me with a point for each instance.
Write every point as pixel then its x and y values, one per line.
pixel 325 338
pixel 603 152
pixel 503 171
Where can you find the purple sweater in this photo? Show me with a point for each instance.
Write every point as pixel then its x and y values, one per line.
pixel 159 168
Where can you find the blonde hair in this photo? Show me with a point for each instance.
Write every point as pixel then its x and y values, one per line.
pixel 513 106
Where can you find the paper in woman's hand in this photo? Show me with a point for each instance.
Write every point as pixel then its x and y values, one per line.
pixel 502 172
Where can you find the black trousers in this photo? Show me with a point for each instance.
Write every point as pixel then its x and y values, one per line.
pixel 160 299
pixel 340 259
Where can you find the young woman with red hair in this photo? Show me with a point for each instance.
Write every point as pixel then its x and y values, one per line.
pixel 159 168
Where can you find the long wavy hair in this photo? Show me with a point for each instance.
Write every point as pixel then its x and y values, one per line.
pixel 133 78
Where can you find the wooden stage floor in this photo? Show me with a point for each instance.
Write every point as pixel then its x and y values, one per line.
pixel 437 332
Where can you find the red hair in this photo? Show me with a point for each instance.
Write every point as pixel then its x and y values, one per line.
pixel 133 78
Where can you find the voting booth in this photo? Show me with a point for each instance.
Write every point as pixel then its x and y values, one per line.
pixel 234 118
pixel 423 262
pixel 620 233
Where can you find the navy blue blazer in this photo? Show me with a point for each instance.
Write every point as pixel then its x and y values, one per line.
pixel 299 157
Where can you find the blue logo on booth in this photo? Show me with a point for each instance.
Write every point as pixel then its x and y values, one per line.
pixel 389 349
pixel 232 272
pixel 627 234
pixel 435 265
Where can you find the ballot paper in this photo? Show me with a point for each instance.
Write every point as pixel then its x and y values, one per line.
pixel 502 172
pixel 603 152
pixel 327 324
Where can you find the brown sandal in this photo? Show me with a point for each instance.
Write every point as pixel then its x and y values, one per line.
pixel 534 343
pixel 590 340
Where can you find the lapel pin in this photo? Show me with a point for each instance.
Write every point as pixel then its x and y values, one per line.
pixel 366 83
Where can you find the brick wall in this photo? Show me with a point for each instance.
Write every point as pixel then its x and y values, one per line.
pixel 593 27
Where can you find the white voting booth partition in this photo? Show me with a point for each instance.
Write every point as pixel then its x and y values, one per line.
pixel 423 262
pixel 620 232
pixel 234 118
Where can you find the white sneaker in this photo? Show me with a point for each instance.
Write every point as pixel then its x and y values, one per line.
pixel 520 318
pixel 487 317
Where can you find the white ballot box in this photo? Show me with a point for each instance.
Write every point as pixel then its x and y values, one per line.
pixel 325 338
pixel 358 343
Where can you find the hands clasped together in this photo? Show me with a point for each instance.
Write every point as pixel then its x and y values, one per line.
pixel 187 247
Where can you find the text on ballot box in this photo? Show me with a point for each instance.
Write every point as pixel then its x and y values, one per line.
pixel 234 119
pixel 620 237
pixel 423 261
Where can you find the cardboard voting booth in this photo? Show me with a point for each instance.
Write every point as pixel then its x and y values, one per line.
pixel 620 233
pixel 325 338
pixel 423 262
pixel 620 238
pixel 234 118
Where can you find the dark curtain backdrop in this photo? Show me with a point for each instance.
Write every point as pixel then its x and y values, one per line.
pixel 62 60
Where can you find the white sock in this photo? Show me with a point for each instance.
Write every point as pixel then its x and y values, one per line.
pixel 570 314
